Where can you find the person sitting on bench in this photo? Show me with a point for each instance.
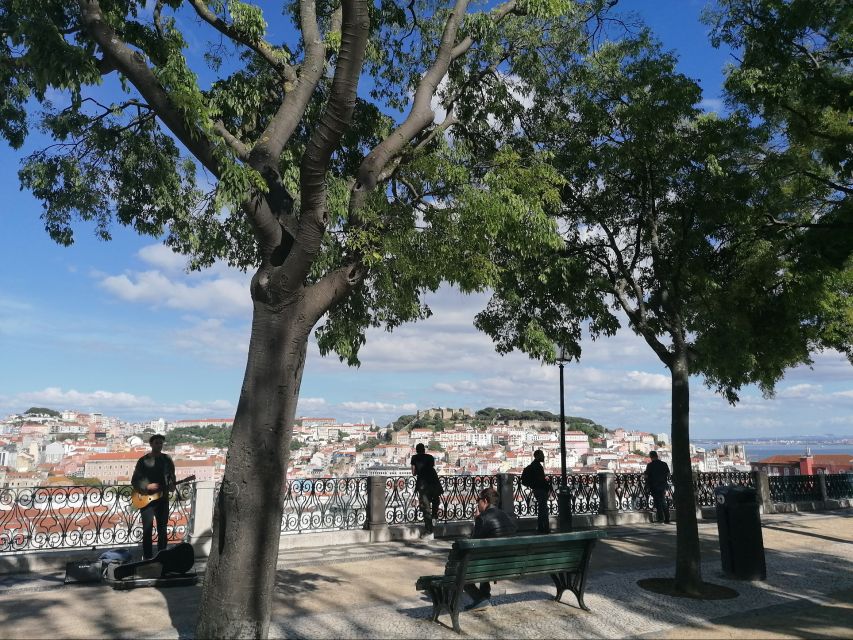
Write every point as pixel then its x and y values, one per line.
pixel 489 522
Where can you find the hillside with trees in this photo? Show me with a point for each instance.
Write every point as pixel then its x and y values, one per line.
pixel 491 415
pixel 211 436
pixel 42 411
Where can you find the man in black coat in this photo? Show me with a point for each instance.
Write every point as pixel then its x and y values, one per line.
pixel 154 473
pixel 427 486
pixel 657 482
pixel 541 489
pixel 489 522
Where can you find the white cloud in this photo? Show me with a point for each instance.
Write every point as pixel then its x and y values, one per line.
pixel 162 257
pixel 456 387
pixel 642 381
pixel 59 397
pixel 370 406
pixel 799 391
pixel 116 403
pixel 211 340
pixel 219 296
pixel 311 404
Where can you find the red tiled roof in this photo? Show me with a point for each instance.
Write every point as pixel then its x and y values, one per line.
pixel 819 459
pixel 116 455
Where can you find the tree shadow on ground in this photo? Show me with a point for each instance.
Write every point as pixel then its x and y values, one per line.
pixel 290 583
pixel 804 568
pixel 793 598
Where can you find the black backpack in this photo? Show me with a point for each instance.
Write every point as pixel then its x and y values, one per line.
pixel 527 476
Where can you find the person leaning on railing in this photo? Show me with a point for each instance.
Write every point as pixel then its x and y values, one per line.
pixel 427 486
pixel 657 479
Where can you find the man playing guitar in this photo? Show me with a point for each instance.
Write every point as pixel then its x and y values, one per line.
pixel 154 474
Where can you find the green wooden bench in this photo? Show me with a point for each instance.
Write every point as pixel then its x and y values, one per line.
pixel 563 556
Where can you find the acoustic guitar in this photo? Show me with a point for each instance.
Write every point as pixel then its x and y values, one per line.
pixel 142 500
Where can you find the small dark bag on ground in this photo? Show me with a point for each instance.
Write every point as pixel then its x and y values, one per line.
pixel 83 571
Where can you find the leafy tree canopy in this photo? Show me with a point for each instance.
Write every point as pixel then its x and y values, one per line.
pixel 207 151
pixel 42 411
pixel 664 218
pixel 793 72
pixel 211 436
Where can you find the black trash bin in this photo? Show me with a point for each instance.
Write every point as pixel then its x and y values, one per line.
pixel 739 525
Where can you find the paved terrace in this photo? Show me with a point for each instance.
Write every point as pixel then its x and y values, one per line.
pixel 367 591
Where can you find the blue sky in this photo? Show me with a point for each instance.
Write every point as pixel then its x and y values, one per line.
pixel 120 327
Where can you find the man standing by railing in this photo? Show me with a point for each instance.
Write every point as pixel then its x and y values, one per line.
pixel 154 474
pixel 534 477
pixel 427 486
pixel 657 481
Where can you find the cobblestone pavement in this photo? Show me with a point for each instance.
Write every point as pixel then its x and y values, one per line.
pixel 619 608
pixel 368 592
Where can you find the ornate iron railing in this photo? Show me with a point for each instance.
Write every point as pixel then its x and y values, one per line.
pixel 839 485
pixel 705 484
pixel 324 504
pixel 457 502
pixel 583 488
pixel 633 495
pixel 794 488
pixel 44 518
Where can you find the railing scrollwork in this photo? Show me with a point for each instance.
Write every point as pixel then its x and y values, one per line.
pixel 64 517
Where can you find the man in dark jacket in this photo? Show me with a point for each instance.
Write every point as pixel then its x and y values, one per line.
pixel 154 473
pixel 541 489
pixel 657 481
pixel 427 486
pixel 489 522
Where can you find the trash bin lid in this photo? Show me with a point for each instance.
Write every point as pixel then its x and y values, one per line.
pixel 735 494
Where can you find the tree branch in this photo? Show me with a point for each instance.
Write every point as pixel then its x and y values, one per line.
pixel 262 48
pixel 498 15
pixel 266 153
pixel 325 139
pixel 240 148
pixel 330 290
pixel 420 115
pixel 132 64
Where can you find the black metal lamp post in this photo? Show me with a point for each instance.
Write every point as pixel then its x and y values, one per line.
pixel 564 501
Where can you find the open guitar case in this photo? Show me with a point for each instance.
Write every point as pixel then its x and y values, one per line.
pixel 171 567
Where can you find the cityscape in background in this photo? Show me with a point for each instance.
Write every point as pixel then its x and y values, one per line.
pixel 43 447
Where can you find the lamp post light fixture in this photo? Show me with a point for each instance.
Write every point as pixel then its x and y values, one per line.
pixel 564 502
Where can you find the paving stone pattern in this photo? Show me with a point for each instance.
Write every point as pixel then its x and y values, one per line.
pixel 619 608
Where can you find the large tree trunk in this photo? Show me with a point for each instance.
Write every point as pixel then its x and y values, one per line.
pixel 240 577
pixel 688 571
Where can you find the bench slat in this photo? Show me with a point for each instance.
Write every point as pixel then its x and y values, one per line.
pixel 496 573
pixel 520 551
pixel 552 538
pixel 477 563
